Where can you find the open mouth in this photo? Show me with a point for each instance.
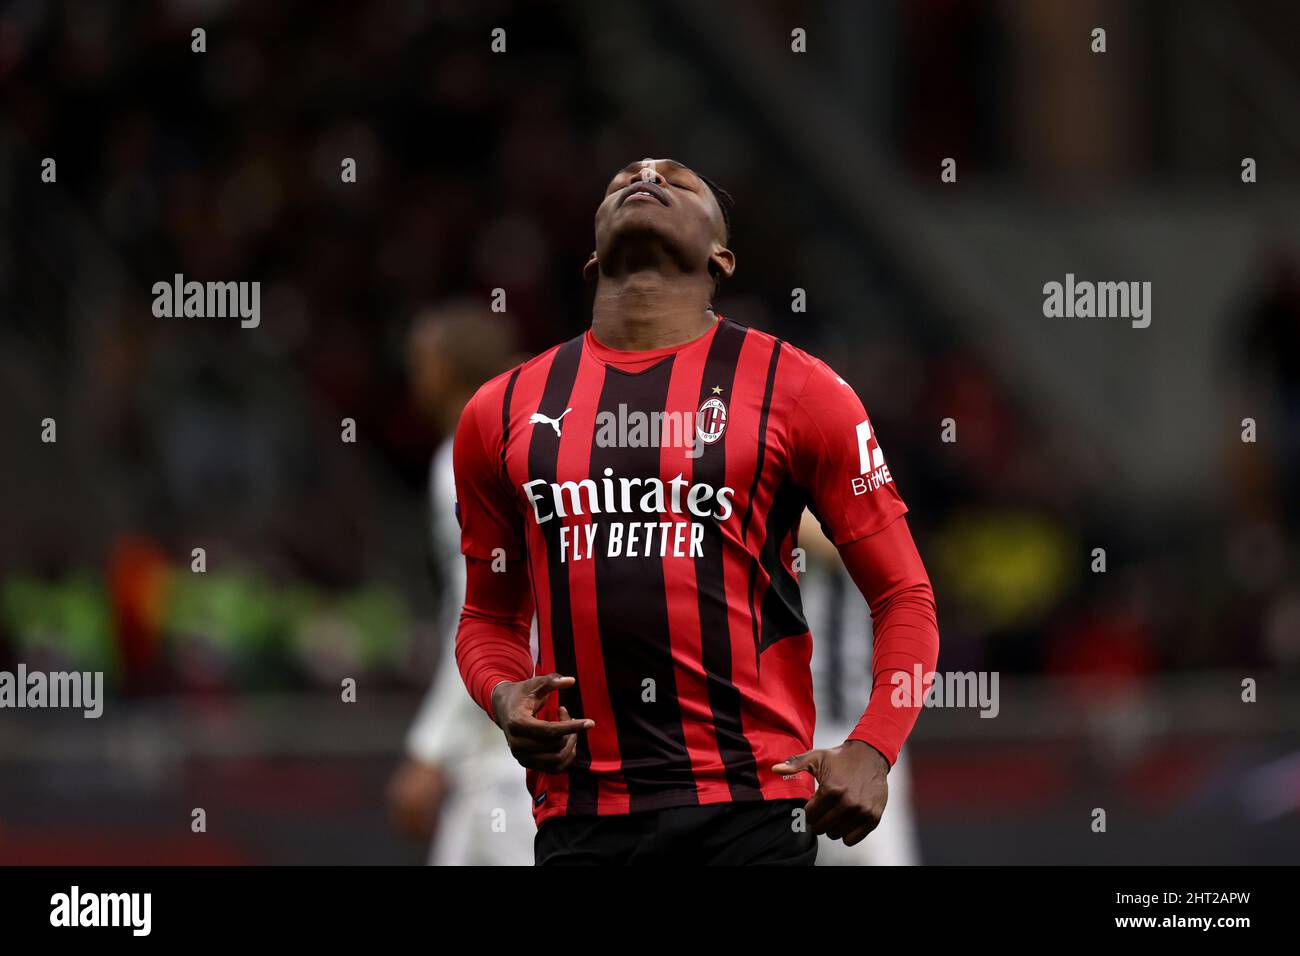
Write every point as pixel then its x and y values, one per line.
pixel 645 192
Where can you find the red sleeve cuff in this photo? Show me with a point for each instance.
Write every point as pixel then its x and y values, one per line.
pixel 885 739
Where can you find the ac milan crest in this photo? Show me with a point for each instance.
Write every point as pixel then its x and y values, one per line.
pixel 711 420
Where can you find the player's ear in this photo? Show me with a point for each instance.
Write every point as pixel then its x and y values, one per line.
pixel 722 263
pixel 590 268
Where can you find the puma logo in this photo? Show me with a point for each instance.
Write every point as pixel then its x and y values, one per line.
pixel 537 418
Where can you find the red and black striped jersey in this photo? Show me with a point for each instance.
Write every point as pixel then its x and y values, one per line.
pixel 656 498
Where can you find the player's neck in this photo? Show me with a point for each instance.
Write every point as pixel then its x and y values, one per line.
pixel 644 311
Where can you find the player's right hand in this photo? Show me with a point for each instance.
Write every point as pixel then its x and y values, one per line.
pixel 545 745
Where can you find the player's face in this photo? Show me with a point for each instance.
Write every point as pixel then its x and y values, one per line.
pixel 664 200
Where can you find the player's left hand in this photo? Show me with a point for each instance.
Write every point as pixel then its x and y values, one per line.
pixel 852 789
pixel 415 795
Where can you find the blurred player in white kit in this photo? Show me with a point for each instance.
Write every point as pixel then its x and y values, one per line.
pixel 459 783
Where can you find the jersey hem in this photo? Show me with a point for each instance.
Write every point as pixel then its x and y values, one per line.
pixel 703 796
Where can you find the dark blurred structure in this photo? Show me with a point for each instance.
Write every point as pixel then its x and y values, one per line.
pixel 480 171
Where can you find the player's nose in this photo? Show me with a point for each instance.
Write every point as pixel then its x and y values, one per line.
pixel 651 175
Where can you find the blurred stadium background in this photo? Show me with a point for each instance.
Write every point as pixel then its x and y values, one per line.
pixel 479 170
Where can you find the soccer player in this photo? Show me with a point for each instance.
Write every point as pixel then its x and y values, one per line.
pixel 640 487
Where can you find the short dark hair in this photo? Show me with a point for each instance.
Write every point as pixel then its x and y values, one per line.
pixel 725 202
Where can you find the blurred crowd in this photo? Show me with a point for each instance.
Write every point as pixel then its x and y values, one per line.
pixel 478 172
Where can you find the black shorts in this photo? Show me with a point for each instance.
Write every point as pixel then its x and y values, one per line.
pixel 760 833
